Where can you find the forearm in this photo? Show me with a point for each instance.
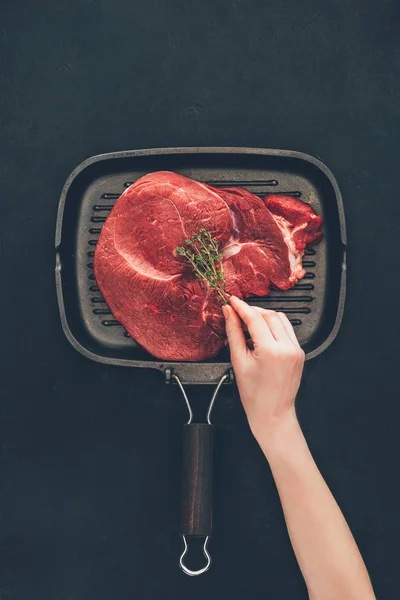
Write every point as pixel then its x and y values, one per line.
pixel 324 546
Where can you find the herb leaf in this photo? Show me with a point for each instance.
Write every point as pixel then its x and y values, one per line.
pixel 203 254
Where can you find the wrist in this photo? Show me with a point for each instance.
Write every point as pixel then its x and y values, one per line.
pixel 275 436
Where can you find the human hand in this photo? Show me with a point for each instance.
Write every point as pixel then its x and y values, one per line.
pixel 268 374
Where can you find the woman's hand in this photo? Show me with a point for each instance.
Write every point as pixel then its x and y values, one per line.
pixel 268 373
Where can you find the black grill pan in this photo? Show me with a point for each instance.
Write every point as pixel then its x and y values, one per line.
pixel 315 305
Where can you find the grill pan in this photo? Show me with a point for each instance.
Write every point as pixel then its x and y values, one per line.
pixel 314 306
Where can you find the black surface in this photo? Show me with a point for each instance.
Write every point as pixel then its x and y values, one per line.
pixel 90 454
pixel 91 192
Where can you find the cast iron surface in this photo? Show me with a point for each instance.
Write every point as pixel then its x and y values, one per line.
pixel 315 305
pixel 86 447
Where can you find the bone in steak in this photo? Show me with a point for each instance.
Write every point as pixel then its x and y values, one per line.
pixel 153 292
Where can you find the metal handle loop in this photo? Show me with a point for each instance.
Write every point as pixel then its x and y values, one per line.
pixel 206 554
pixel 178 381
pixel 214 397
pixel 212 402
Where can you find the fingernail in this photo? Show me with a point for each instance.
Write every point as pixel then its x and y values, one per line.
pixel 225 312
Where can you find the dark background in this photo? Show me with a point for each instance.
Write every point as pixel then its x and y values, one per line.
pixel 89 461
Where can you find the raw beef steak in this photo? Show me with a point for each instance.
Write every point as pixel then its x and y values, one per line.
pixel 153 292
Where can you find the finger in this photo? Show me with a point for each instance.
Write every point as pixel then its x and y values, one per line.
pixel 258 328
pixel 235 333
pixel 289 329
pixel 276 326
pixel 285 322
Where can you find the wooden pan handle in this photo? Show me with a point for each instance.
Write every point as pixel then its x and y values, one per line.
pixel 197 479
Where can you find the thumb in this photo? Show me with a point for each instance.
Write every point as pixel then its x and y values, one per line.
pixel 234 331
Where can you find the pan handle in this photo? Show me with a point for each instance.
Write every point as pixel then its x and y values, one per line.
pixel 197 479
pixel 197 483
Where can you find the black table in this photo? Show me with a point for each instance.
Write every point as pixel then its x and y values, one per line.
pixel 89 459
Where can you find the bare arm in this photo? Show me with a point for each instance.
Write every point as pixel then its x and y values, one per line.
pixel 268 376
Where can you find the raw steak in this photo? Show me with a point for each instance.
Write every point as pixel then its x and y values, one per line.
pixel 154 293
pixel 296 219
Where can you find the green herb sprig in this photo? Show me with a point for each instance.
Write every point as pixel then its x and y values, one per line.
pixel 203 255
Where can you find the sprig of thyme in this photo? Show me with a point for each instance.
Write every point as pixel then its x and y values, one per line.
pixel 203 255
